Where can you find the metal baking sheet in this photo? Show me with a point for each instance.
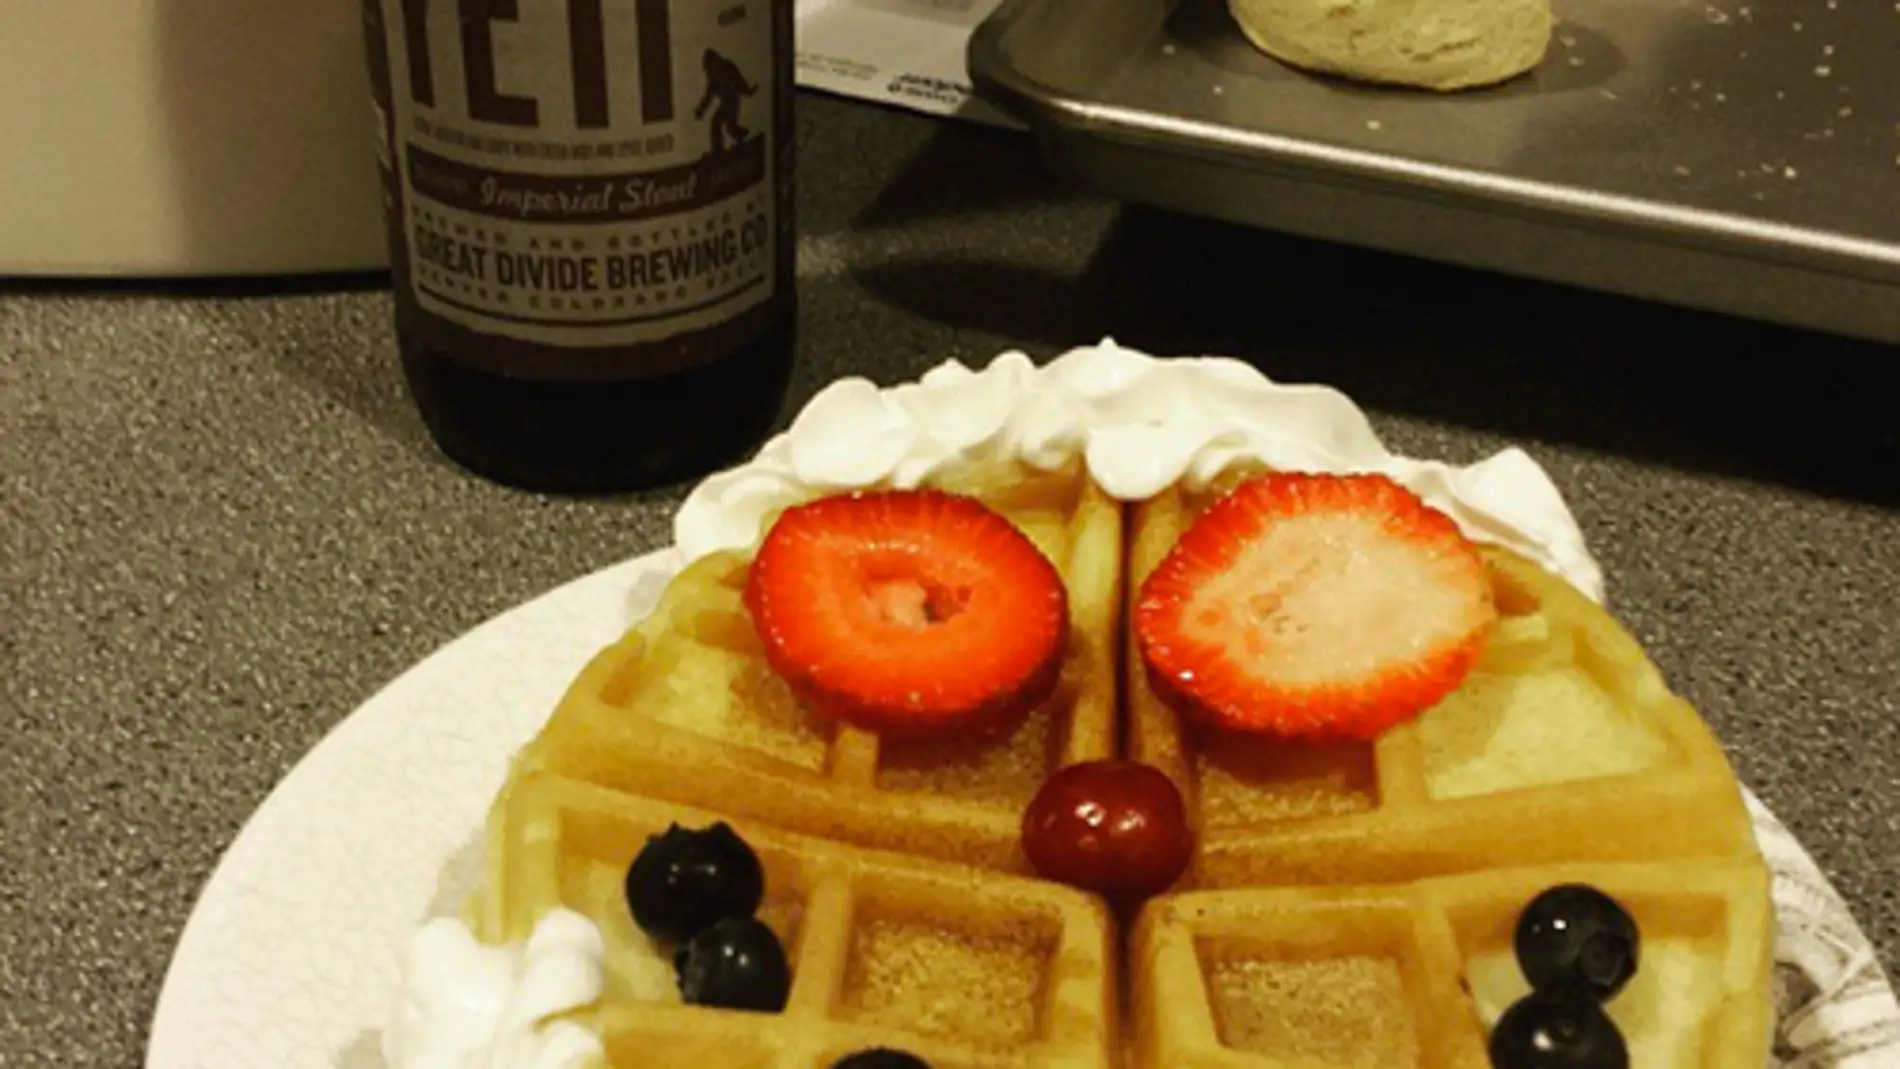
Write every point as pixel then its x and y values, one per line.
pixel 1741 157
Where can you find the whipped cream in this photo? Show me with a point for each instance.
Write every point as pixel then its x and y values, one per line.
pixel 464 1005
pixel 1139 424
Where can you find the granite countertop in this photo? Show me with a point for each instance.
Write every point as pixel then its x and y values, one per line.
pixel 224 526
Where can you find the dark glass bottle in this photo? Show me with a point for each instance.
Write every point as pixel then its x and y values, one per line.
pixel 590 228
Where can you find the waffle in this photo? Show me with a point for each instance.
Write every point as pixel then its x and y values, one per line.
pixel 684 707
pixel 964 967
pixel 1349 905
pixel 1564 745
pixel 1414 974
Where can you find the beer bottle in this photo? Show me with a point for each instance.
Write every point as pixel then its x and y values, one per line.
pixel 589 206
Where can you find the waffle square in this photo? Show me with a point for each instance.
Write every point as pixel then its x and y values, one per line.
pixel 685 708
pixel 1401 976
pixel 1564 744
pixel 962 966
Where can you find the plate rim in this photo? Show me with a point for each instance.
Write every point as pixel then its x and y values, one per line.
pixel 219 882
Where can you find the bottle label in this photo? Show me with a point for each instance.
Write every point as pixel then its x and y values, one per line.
pixel 584 173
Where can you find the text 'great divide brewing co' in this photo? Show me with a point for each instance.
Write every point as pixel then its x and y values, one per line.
pixel 589 207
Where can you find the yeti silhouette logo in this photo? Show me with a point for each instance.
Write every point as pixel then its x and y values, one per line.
pixel 726 86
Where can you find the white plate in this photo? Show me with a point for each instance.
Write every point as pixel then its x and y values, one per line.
pixel 289 957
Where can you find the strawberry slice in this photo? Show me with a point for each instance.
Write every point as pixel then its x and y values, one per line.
pixel 909 611
pixel 1314 607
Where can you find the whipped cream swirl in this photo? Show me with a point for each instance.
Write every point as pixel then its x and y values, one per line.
pixel 464 1005
pixel 1138 422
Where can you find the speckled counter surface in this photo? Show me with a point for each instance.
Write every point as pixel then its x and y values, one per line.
pixel 224 527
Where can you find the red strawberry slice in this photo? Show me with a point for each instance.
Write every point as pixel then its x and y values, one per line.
pixel 1314 607
pixel 909 611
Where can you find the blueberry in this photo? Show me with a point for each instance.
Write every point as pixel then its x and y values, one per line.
pixel 1573 936
pixel 737 964
pixel 880 1058
pixel 1557 1030
pixel 684 880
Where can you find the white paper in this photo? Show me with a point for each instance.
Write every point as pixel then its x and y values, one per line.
pixel 905 53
